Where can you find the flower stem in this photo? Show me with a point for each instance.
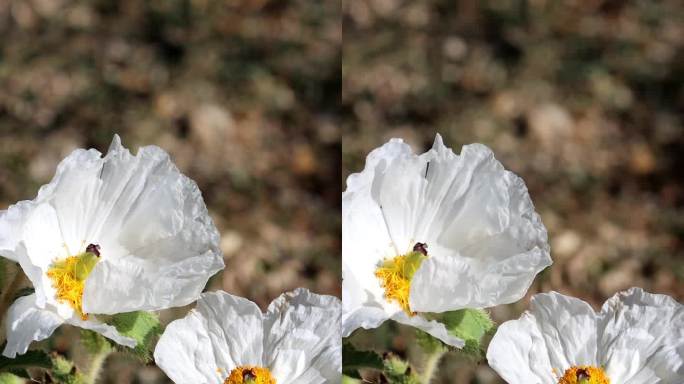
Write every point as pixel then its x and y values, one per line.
pixel 96 365
pixel 11 289
pixel 431 364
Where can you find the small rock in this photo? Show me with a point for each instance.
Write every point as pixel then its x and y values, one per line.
pixel 566 243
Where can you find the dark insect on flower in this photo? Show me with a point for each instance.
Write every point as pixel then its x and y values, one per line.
pixel 94 249
pixel 420 247
pixel 582 374
pixel 248 375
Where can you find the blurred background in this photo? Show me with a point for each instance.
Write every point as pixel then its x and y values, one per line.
pixel 243 94
pixel 582 99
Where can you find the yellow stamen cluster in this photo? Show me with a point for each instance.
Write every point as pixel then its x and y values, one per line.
pixel 584 374
pixel 68 278
pixel 395 278
pixel 250 375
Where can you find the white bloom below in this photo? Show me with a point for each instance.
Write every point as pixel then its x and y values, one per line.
pixel 157 243
pixel 636 338
pixel 297 340
pixel 485 242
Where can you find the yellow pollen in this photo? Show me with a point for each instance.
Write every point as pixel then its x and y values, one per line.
pixel 584 374
pixel 68 278
pixel 395 277
pixel 250 375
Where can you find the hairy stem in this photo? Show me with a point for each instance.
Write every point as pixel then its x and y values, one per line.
pixel 431 364
pixel 96 365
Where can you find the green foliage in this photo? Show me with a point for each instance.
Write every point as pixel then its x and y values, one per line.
pixel 428 343
pixel 9 378
pixel 398 371
pixel 349 380
pixel 353 360
pixel 142 326
pixel 64 371
pixel 470 325
pixel 31 359
pixel 94 342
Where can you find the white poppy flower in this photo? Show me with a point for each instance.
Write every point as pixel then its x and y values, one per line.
pixel 109 234
pixel 227 339
pixel 636 338
pixel 435 232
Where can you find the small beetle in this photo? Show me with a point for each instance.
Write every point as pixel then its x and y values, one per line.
pixel 248 375
pixel 582 374
pixel 420 247
pixel 94 249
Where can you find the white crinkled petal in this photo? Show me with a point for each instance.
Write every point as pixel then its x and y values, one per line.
pixel 492 243
pixel 42 236
pixel 434 328
pixel 157 287
pixel 222 333
pixel 642 338
pixel 185 353
pixel 26 323
pixel 637 337
pixel 568 326
pixel 147 218
pixel 485 241
pixel 558 332
pixel 360 307
pixel 105 330
pixel 365 243
pixel 448 282
pixel 11 226
pixel 518 353
pixel 302 338
pixel 235 328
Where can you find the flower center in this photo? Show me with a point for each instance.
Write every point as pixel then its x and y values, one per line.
pixel 395 275
pixel 250 375
pixel 584 374
pixel 68 277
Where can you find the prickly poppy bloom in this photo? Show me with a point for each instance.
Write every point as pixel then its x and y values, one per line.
pixel 435 232
pixel 227 339
pixel 636 338
pixel 109 234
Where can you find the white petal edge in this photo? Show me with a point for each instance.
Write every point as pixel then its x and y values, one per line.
pixel 11 224
pixel 26 323
pixel 302 338
pixel 434 328
pixel 229 327
pixel 360 307
pixel 185 354
pixel 558 332
pixel 641 338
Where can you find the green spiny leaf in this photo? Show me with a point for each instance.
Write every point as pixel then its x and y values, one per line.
pixel 143 327
pixel 428 343
pixel 64 371
pixel 30 359
pixel 94 342
pixel 470 325
pixel 398 371
pixel 353 360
